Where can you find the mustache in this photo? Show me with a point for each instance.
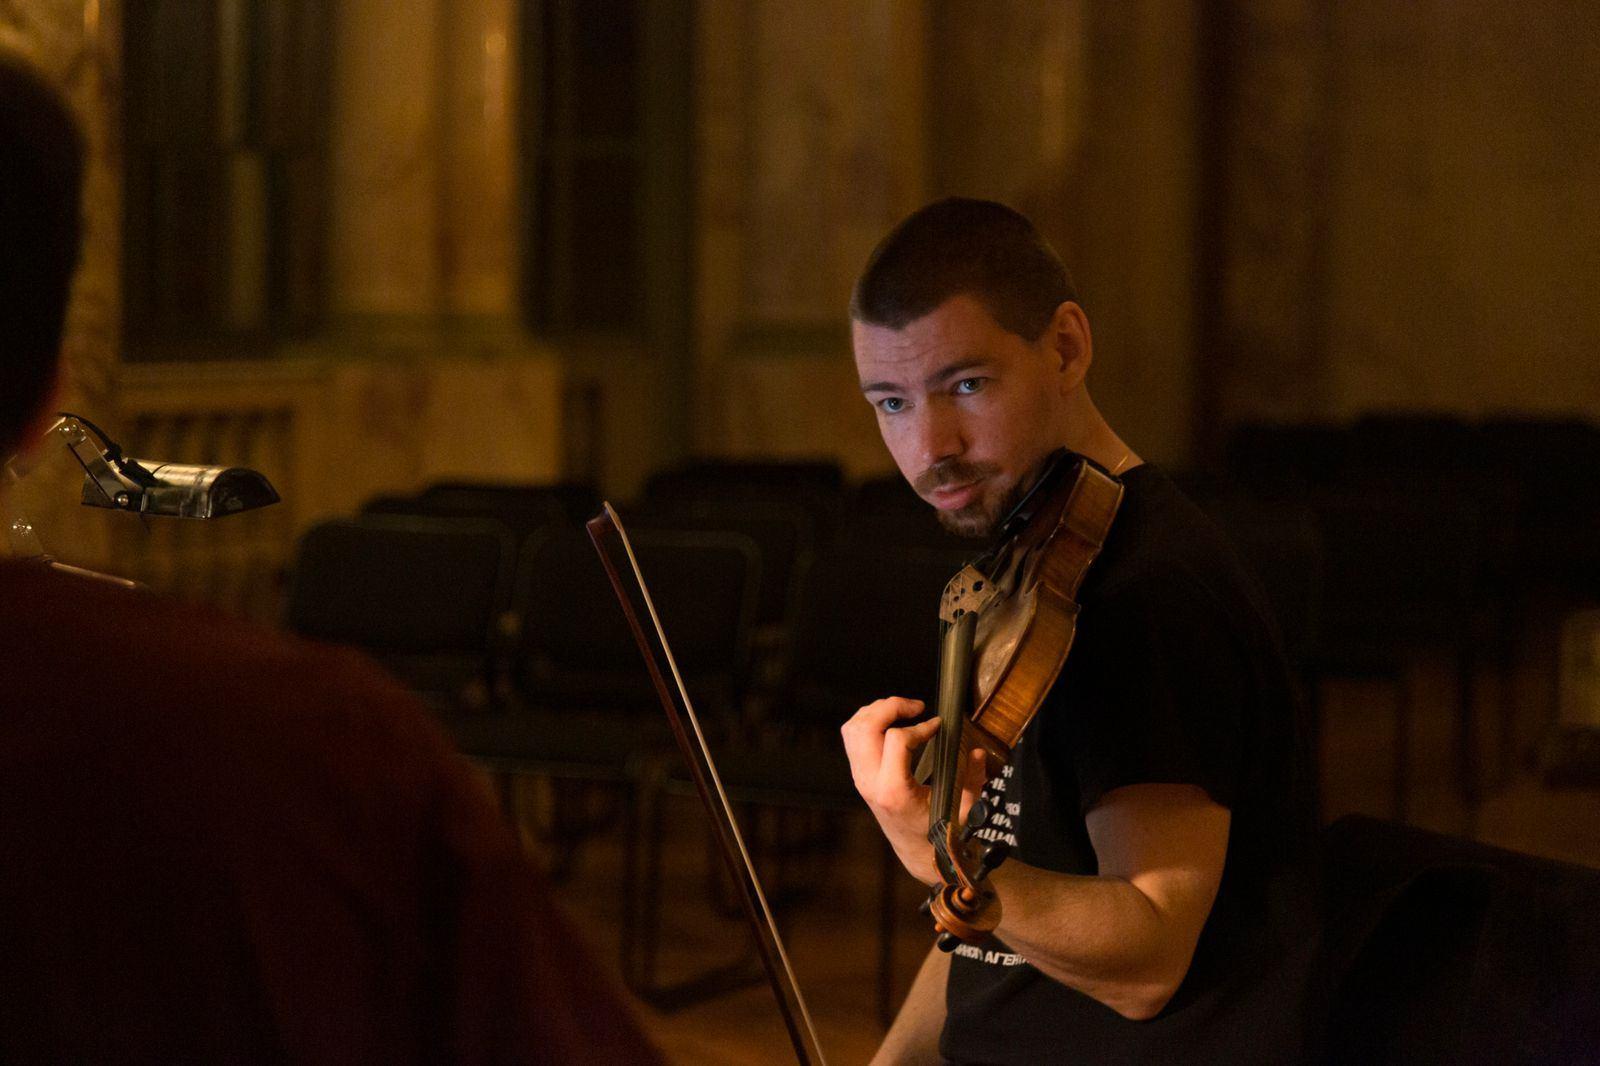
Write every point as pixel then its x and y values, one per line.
pixel 951 472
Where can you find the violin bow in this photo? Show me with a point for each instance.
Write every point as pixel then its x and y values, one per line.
pixel 604 528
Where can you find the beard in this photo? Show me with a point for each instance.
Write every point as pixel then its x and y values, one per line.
pixel 980 518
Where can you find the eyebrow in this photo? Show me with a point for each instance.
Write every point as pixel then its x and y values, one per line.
pixel 934 380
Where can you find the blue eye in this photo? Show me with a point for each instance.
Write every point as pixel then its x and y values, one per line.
pixel 968 386
pixel 892 405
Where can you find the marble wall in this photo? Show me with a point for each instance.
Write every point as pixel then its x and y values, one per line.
pixel 1413 210
pixel 820 126
pixel 1464 229
pixel 1273 209
pixel 809 127
pixel 423 177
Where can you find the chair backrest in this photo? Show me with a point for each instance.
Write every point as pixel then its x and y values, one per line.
pixel 1413 445
pixel 784 534
pixel 817 486
pixel 577 500
pixel 1400 547
pixel 1287 459
pixel 426 596
pixel 576 649
pixel 522 511
pixel 868 628
pixel 1440 949
pixel 886 510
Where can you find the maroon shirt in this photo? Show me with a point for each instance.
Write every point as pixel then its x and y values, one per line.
pixel 221 844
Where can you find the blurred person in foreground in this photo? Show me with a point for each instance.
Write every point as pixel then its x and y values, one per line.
pixel 221 844
pixel 1159 904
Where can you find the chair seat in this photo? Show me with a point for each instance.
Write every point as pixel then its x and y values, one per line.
pixel 804 775
pixel 606 745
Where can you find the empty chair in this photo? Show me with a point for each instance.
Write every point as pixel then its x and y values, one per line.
pixel 867 628
pixel 585 709
pixel 577 500
pixel 428 598
pixel 1550 465
pixel 816 485
pixel 1402 580
pixel 1287 459
pixel 1412 445
pixel 523 511
pixel 784 534
pixel 887 511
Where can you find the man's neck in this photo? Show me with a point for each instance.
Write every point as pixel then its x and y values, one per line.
pixel 1092 437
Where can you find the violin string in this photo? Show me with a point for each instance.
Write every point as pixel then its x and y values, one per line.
pixel 716 781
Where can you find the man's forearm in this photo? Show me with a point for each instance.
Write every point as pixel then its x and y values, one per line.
pixel 1099 935
pixel 914 1036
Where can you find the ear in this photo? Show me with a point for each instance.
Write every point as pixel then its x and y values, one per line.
pixel 1071 345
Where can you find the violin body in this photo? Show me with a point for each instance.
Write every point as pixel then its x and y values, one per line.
pixel 998 668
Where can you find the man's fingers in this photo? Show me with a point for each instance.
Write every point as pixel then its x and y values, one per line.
pixel 866 731
pixel 974 773
pixel 900 746
pixel 881 714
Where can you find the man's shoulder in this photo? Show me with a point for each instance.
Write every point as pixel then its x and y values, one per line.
pixel 1164 550
pixel 82 643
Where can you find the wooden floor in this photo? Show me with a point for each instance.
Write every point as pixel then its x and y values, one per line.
pixel 832 935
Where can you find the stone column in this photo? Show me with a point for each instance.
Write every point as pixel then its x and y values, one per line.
pixel 1008 130
pixel 811 132
pixel 1086 126
pixel 1266 208
pixel 478 176
pixel 423 182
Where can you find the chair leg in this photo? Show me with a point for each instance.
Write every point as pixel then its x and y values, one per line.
pixel 505 786
pixel 1506 668
pixel 1311 690
pixel 644 793
pixel 651 913
pixel 1467 740
pixel 1399 801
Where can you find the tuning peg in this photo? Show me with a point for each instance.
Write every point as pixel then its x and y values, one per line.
pixel 948 942
pixel 977 817
pixel 926 906
pixel 993 856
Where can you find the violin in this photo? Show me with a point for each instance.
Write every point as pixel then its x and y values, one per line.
pixel 1007 621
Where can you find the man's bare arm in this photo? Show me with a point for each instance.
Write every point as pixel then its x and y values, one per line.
pixel 914 1037
pixel 1125 937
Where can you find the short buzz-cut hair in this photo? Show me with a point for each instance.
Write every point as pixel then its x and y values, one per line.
pixel 41 180
pixel 959 246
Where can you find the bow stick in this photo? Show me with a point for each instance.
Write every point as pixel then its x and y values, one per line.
pixel 603 528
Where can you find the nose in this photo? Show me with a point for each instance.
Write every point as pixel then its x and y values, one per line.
pixel 938 435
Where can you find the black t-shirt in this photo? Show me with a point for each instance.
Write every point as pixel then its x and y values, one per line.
pixel 1177 676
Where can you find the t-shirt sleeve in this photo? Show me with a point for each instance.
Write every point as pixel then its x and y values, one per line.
pixel 1154 691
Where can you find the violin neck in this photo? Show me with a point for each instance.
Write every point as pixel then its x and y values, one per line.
pixel 955 704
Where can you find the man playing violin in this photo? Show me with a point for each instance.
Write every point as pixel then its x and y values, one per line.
pixel 1158 901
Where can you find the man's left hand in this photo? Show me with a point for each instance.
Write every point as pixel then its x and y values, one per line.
pixel 882 753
